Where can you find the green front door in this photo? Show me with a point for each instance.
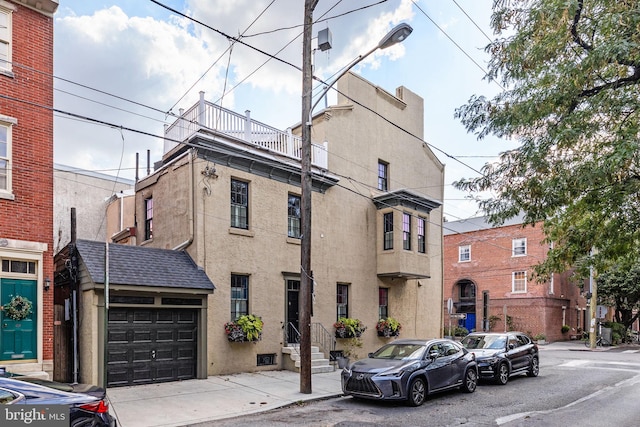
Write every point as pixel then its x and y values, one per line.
pixel 18 337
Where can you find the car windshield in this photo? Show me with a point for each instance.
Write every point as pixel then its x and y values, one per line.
pixel 400 351
pixel 484 341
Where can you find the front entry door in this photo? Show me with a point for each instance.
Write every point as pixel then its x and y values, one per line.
pixel 293 311
pixel 18 337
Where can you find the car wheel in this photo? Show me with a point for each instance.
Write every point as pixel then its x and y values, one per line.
pixel 470 381
pixel 503 374
pixel 417 392
pixel 534 368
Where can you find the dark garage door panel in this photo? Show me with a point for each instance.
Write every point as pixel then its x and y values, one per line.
pixel 151 345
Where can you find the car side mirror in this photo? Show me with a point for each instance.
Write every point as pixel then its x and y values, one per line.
pixel 433 355
pixel 512 346
pixel 370 355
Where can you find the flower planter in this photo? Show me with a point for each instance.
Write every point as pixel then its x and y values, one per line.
pixel 388 333
pixel 344 333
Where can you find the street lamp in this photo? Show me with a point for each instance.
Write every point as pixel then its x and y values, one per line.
pixel 396 35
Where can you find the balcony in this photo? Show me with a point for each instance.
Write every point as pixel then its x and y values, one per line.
pixel 208 117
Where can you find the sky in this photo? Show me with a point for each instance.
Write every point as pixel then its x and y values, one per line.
pixel 132 64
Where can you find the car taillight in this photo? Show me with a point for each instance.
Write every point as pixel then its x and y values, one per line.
pixel 98 407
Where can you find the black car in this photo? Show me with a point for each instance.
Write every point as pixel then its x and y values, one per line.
pixel 88 405
pixel 502 355
pixel 410 370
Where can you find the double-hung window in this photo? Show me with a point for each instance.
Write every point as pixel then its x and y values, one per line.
pixel 464 253
pixel 239 295
pixel 383 303
pixel 5 37
pixel 387 220
pixel 422 242
pixel 293 216
pixel 406 231
pixel 239 204
pixel 342 300
pixel 519 247
pixel 519 282
pixel 383 175
pixel 148 218
pixel 5 158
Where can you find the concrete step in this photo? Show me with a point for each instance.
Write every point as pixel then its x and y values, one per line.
pixel 295 349
pixel 314 362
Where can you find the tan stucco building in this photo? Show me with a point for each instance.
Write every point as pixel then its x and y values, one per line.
pixel 227 192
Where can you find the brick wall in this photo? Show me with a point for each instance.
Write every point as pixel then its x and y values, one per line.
pixel 29 217
pixel 539 309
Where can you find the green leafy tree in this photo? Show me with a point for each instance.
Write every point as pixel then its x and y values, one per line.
pixel 619 287
pixel 571 73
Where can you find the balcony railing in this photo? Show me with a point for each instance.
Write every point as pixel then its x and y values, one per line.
pixel 206 115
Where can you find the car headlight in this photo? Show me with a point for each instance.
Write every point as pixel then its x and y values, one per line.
pixel 395 373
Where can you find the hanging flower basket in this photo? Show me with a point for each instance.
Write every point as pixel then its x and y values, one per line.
pixel 247 328
pixel 349 328
pixel 18 308
pixel 388 327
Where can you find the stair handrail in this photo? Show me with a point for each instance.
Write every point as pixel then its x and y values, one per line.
pixel 323 338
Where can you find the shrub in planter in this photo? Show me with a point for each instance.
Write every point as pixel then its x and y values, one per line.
pixel 388 327
pixel 565 329
pixel 347 327
pixel 245 328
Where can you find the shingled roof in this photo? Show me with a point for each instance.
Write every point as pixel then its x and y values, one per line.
pixel 143 266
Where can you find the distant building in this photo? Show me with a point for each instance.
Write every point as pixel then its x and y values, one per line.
pixel 26 185
pixel 487 276
pixel 229 197
pixel 89 193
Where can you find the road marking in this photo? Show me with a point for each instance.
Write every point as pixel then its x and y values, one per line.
pixel 575 363
pixel 631 351
pixel 629 381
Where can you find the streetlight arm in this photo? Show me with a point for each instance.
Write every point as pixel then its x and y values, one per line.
pixel 345 71
pixel 397 35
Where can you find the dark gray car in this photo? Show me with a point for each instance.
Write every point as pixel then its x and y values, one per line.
pixel 503 355
pixel 410 370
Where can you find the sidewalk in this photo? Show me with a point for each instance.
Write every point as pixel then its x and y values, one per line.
pixel 217 397
pixel 226 396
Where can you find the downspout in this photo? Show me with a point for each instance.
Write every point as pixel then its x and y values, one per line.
pixel 188 242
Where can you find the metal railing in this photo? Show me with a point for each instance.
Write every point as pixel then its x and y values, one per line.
pixel 208 116
pixel 320 336
pixel 323 338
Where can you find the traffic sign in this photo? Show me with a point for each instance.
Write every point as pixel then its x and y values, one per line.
pixel 458 315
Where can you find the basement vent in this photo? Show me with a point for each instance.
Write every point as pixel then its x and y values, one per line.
pixel 266 359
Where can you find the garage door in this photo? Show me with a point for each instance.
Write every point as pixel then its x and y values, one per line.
pixel 151 345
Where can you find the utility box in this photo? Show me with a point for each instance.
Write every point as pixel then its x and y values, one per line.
pixel 324 39
pixel 606 334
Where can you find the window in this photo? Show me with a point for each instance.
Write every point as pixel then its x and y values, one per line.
pixel 519 247
pixel 406 231
pixel 293 217
pixel 5 38
pixel 239 295
pixel 5 155
pixel 148 218
pixel 239 204
pixel 388 230
pixel 519 282
pixel 467 291
pixel 464 253
pixel 383 303
pixel 422 243
pixel 383 175
pixel 342 300
pixel 24 267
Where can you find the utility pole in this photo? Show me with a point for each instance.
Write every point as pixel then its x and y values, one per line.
pixel 305 203
pixel 593 288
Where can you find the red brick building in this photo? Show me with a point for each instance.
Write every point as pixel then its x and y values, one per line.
pixel 487 275
pixel 26 185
